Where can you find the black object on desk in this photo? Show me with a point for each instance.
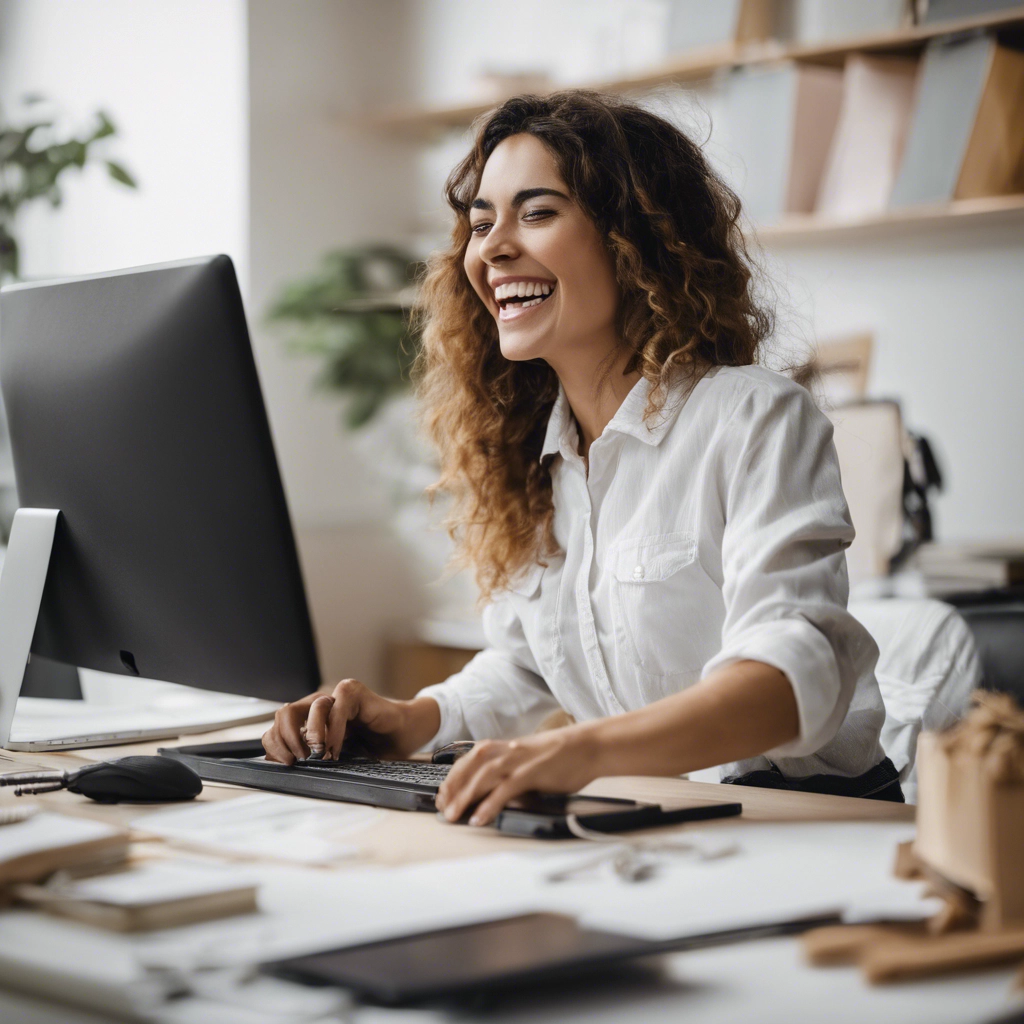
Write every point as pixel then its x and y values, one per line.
pixel 494 956
pixel 412 786
pixel 139 779
pixel 400 785
pixel 546 816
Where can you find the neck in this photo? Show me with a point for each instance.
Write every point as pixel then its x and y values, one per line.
pixel 595 389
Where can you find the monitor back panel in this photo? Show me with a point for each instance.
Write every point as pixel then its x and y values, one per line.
pixel 135 408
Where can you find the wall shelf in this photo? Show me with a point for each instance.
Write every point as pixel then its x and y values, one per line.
pixel 799 230
pixel 697 66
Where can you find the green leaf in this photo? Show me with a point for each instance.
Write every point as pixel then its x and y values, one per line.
pixel 118 173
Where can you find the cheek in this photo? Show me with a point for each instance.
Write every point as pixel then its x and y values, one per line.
pixel 476 272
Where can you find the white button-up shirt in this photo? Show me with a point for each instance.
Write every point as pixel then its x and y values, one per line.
pixel 712 532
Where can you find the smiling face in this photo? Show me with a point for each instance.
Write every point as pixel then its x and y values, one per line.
pixel 538 262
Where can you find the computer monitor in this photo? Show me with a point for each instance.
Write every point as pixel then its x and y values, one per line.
pixel 134 407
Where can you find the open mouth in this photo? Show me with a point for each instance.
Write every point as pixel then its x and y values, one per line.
pixel 520 295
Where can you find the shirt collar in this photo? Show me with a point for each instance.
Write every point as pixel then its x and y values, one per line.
pixel 562 435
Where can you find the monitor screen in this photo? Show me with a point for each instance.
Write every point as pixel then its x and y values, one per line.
pixel 134 407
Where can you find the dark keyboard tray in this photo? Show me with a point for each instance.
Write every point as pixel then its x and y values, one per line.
pixel 240 762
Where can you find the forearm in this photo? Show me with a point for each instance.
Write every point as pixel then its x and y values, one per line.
pixel 740 711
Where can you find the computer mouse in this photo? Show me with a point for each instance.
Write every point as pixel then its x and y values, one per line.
pixel 451 752
pixel 137 779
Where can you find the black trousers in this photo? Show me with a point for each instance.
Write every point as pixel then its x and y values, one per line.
pixel 879 783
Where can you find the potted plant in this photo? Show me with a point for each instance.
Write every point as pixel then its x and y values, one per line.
pixel 355 313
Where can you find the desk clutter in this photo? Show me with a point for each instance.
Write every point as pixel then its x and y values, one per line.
pixel 193 911
pixel 969 848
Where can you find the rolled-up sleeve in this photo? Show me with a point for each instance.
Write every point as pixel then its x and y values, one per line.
pixel 500 694
pixel 784 579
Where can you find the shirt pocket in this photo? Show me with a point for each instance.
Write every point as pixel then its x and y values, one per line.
pixel 665 603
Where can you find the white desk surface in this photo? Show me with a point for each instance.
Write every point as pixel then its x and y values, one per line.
pixel 764 981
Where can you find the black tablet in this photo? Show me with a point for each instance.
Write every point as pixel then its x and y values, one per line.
pixel 469 959
pixel 508 954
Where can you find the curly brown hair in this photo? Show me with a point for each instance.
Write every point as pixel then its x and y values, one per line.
pixel 672 230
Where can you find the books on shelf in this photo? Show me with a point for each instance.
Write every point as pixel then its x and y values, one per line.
pixel 777 126
pixel 966 136
pixel 952 568
pixel 931 11
pixel 695 25
pixel 862 163
pixel 824 21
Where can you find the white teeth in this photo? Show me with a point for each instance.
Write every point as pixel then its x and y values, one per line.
pixel 522 290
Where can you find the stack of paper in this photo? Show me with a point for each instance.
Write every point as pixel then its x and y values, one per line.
pixel 32 849
pixel 160 894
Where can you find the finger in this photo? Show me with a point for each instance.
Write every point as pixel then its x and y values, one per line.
pixel 515 784
pixel 347 695
pixel 464 769
pixel 275 749
pixel 316 723
pixel 486 779
pixel 288 722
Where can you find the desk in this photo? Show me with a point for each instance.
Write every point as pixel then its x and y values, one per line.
pixel 763 981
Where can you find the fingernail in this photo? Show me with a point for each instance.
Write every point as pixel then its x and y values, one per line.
pixel 476 820
pixel 449 813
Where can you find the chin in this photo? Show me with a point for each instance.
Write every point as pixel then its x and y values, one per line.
pixel 518 349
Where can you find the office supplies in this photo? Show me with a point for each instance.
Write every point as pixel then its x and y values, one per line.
pixel 139 779
pixel 152 503
pixel 44 843
pixel 555 816
pixel 152 895
pixel 400 785
pixel 263 825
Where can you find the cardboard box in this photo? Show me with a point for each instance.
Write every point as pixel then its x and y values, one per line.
pixel 970 818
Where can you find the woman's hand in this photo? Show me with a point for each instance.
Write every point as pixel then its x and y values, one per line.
pixel 321 721
pixel 496 771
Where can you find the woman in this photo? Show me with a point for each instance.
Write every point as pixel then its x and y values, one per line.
pixel 657 523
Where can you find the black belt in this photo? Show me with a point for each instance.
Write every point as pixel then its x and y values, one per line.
pixel 879 783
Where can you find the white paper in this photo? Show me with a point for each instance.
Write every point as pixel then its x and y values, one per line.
pixel 49 831
pixel 156 882
pixel 265 826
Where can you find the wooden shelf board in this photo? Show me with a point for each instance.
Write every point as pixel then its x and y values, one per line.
pixel 801 229
pixel 702 64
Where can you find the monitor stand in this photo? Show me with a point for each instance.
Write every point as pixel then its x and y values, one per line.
pixel 21 593
pixel 101 724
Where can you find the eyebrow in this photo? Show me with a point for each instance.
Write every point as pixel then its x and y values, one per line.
pixel 519 198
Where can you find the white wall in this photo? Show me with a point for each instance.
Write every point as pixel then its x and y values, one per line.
pixel 947 310
pixel 318 180
pixel 172 76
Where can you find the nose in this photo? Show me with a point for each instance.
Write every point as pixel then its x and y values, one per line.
pixel 499 244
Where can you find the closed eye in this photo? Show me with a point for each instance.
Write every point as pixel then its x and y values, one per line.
pixel 478 229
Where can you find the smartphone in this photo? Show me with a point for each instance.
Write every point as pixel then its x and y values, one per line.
pixel 544 815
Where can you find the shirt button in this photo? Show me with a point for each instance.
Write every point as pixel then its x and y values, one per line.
pixel 638 572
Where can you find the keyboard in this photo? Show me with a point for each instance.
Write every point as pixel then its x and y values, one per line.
pixel 421 773
pixel 402 785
